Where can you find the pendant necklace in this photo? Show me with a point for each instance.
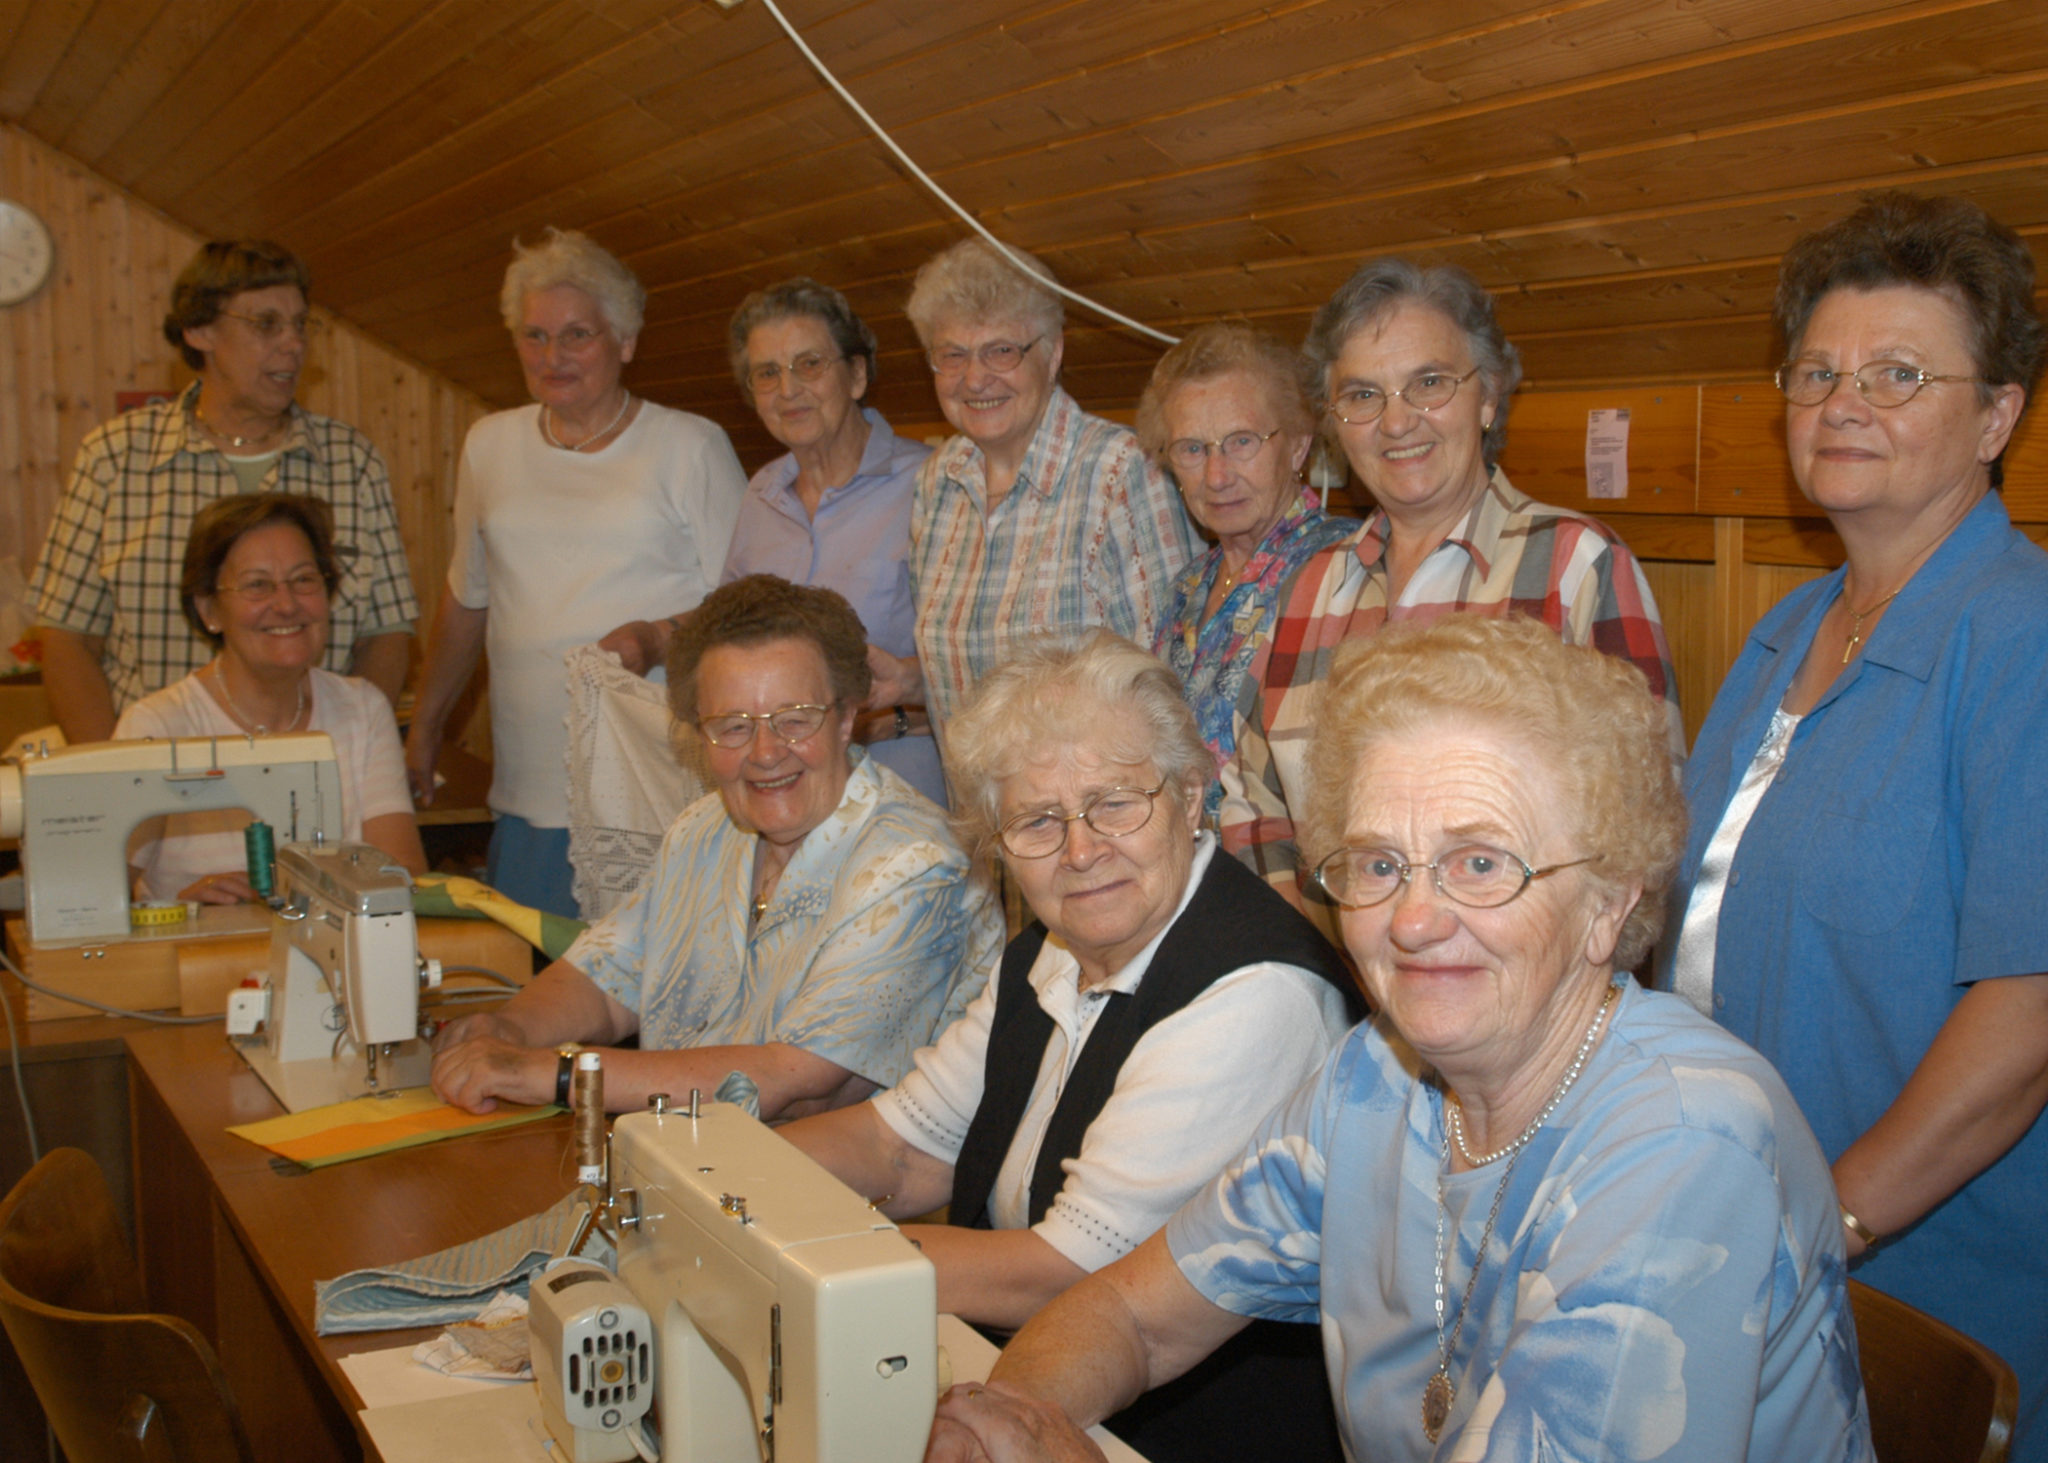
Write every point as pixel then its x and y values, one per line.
pixel 255 728
pixel 1856 630
pixel 1440 1393
pixel 230 438
pixel 547 413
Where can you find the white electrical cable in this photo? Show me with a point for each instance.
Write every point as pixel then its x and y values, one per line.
pixel 940 193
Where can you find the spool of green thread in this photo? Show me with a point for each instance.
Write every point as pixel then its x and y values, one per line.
pixel 260 843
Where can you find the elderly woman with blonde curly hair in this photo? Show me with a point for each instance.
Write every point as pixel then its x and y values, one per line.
pixel 1538 1210
pixel 590 515
pixel 1037 518
pixel 1127 1043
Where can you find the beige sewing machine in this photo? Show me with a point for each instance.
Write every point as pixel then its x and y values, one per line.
pixel 74 810
pixel 791 1322
pixel 338 1016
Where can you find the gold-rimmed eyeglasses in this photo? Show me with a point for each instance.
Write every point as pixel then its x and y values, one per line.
pixel 1476 875
pixel 1239 446
pixel 1883 383
pixel 999 356
pixel 1426 391
pixel 806 368
pixel 1114 812
pixel 257 589
pixel 735 729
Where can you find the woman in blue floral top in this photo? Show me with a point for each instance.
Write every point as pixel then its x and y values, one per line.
pixel 1226 413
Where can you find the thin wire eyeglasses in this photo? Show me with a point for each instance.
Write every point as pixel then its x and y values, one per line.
pixel 1426 391
pixel 999 356
pixel 256 591
pixel 806 368
pixel 270 324
pixel 1114 813
pixel 1884 383
pixel 1476 875
pixel 735 729
pixel 1239 446
pixel 572 338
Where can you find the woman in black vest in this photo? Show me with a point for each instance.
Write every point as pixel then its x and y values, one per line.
pixel 1131 1039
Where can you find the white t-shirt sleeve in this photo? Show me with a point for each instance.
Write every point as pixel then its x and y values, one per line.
pixel 707 490
pixel 936 1100
pixel 468 577
pixel 1190 1095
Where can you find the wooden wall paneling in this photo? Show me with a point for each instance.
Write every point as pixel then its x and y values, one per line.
pixel 1684 595
pixel 165 48
pixel 1546 439
pixel 39 41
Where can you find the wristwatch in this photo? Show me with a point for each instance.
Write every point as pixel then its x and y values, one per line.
pixel 565 1068
pixel 902 723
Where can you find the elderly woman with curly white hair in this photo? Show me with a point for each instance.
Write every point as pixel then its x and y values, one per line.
pixel 1038 518
pixel 589 515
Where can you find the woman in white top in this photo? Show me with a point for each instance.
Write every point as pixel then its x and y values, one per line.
pixel 259 571
pixel 589 516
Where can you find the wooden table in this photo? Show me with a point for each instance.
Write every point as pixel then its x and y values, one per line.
pixel 233 1240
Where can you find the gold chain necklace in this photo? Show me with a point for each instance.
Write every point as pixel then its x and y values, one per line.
pixel 249 722
pixel 1859 616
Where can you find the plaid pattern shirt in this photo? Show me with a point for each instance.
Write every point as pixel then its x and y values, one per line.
pixel 116 546
pixel 1091 534
pixel 1512 556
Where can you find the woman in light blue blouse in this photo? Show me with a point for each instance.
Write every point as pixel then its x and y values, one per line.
pixel 1225 412
pixel 809 926
pixel 1539 1211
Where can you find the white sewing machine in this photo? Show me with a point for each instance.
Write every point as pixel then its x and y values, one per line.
pixel 339 1013
pixel 791 1322
pixel 73 810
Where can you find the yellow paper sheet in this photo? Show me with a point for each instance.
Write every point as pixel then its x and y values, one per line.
pixel 320 1136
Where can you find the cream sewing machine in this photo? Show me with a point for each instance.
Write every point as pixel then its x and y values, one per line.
pixel 789 1321
pixel 339 1012
pixel 74 810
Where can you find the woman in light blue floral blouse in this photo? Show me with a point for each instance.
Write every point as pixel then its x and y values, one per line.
pixel 1226 413
pixel 1539 1211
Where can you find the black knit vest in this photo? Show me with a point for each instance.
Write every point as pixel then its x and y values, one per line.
pixel 1234 920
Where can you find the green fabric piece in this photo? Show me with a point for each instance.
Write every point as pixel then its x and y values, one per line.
pixel 448 896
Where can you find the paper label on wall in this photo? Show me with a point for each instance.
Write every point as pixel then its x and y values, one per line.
pixel 1607 453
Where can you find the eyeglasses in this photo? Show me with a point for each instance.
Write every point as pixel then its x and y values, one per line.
pixel 1238 446
pixel 1476 875
pixel 999 356
pixel 572 338
pixel 806 368
pixel 258 588
pixel 1113 812
pixel 1883 383
pixel 271 324
pixel 735 729
pixel 1357 405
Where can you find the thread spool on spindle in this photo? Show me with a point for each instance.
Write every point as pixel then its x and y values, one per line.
pixel 259 845
pixel 586 1108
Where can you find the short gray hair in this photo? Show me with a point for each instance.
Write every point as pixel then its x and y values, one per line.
pixel 564 256
pixel 1030 703
pixel 1381 286
pixel 971 281
pixel 799 297
pixel 1227 348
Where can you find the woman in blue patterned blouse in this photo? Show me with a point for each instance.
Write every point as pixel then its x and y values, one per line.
pixel 1539 1211
pixel 1225 412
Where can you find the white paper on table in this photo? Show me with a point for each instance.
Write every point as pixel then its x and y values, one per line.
pixel 390 1378
pixel 1607 453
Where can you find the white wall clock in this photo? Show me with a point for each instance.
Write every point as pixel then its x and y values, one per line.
pixel 26 254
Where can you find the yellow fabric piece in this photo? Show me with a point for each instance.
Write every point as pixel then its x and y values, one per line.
pixel 321 1136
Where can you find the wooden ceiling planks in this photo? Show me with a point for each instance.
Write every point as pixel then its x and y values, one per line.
pixel 1622 172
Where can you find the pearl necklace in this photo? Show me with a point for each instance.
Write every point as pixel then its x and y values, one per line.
pixel 254 727
pixel 1440 1393
pixel 548 432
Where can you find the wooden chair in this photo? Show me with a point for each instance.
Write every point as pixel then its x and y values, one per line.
pixel 118 1386
pixel 1936 1395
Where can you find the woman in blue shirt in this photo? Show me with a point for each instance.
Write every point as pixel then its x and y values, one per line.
pixel 1864 898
